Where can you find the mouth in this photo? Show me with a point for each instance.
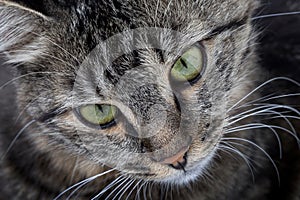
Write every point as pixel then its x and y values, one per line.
pixel 189 174
pixel 179 173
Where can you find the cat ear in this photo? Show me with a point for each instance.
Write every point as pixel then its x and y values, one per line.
pixel 22 36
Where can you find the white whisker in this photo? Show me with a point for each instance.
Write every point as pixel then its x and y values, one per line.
pixel 246 112
pixel 280 106
pixel 268 108
pixel 28 74
pixel 17 137
pixel 74 169
pixel 136 185
pixel 25 108
pixel 287 116
pixel 145 190
pixel 122 183
pixel 276 15
pixel 261 125
pixel 125 189
pixel 261 149
pixel 260 86
pixel 117 180
pixel 232 149
pixel 250 103
pixel 82 182
pixel 282 96
pixel 150 189
pixel 137 195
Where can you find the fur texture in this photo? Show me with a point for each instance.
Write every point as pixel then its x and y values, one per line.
pixel 67 54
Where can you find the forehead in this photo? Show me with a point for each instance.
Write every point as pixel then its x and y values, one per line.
pixel 115 16
pixel 155 24
pixel 92 22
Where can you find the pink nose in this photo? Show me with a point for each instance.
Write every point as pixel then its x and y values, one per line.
pixel 178 158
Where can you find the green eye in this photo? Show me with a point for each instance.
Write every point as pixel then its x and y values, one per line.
pixel 99 115
pixel 190 65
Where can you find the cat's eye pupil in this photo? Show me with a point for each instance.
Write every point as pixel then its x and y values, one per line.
pixel 190 65
pixel 102 115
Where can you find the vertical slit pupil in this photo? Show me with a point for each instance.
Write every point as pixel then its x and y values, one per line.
pixel 183 63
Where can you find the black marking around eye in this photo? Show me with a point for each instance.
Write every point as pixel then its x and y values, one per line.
pixel 229 26
pixel 177 103
pixel 51 114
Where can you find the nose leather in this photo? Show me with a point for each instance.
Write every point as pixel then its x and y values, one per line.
pixel 177 158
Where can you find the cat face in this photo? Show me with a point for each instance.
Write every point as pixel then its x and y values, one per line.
pixel 143 89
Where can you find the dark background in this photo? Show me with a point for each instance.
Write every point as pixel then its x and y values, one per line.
pixel 279 43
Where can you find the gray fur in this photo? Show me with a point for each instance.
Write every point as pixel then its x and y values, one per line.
pixel 69 54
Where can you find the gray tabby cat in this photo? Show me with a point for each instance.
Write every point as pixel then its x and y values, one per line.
pixel 148 100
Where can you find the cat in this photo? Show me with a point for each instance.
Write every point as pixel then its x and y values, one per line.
pixel 148 100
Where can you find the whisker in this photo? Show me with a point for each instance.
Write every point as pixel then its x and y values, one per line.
pixel 145 190
pixel 271 127
pixel 126 182
pixel 246 112
pixel 137 195
pixel 171 191
pixel 280 106
pixel 150 189
pixel 281 116
pixel 276 15
pixel 287 116
pixel 25 108
pixel 266 98
pixel 269 108
pixel 28 74
pixel 17 137
pixel 261 149
pixel 233 149
pixel 166 192
pixel 125 190
pixel 262 85
pixel 82 182
pixel 286 120
pixel 74 169
pixel 79 187
pixel 282 96
pixel 250 103
pixel 270 113
pixel 117 180
pixel 122 183
pixel 136 185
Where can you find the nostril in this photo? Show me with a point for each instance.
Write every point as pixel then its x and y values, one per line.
pixel 180 164
pixel 177 161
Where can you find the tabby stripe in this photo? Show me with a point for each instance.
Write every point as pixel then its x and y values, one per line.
pixel 51 114
pixel 232 25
